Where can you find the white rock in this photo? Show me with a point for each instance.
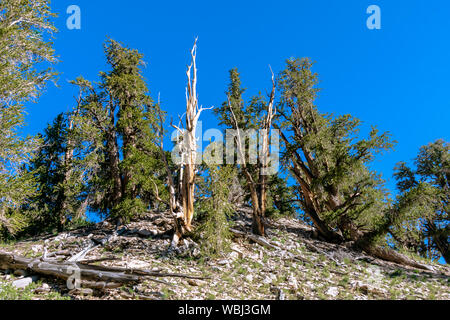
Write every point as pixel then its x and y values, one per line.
pixel 37 248
pixel 332 291
pixel 62 236
pixel 311 285
pixel 223 262
pixel 267 280
pixel 234 255
pixel 25 282
pixel 249 278
pixel 136 264
pixel 293 282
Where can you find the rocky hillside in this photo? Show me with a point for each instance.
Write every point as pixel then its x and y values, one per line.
pixel 291 264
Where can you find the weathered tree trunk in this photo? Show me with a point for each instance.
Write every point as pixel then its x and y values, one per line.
pixel 184 215
pixel 68 160
pixel 393 256
pixel 344 223
pixel 182 198
pixel 304 176
pixel 63 270
pixel 443 246
pixel 187 194
pixel 190 143
pixel 258 189
pixel 113 158
pixel 92 276
pixel 258 213
pixel 440 239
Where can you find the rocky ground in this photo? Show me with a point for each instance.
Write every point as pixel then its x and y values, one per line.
pixel 291 265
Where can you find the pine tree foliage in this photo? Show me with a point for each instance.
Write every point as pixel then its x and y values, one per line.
pixel 236 114
pixel 339 193
pixel 61 176
pixel 215 208
pixel 25 53
pixel 116 125
pixel 422 208
pixel 106 155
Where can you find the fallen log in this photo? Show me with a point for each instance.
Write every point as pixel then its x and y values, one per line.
pixel 144 273
pixel 90 276
pixel 62 270
pixel 255 238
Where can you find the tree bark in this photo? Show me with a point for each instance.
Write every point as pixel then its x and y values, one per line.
pixel 68 160
pixel 393 256
pixel 93 276
pixel 113 158
pixel 443 246
pixel 304 177
pixel 182 198
pixel 258 189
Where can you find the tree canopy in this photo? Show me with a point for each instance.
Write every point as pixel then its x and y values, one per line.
pixel 26 55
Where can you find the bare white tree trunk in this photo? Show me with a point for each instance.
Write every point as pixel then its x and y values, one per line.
pixel 182 200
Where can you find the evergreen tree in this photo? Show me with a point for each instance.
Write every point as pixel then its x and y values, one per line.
pixel 116 120
pixel 24 54
pixel 422 208
pixel 342 197
pixel 268 194
pixel 61 178
pixel 339 193
pixel 214 207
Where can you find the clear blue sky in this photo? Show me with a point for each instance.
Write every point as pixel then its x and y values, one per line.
pixel 396 78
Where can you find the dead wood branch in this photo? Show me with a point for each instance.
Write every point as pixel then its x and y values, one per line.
pixel 91 276
pixel 255 238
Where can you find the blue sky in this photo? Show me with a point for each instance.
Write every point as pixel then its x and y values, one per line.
pixel 396 78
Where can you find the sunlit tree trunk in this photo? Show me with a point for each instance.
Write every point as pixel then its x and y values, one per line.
pixel 182 198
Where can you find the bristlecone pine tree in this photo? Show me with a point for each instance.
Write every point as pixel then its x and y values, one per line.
pixel 342 197
pixel 267 191
pixel 115 124
pixel 182 195
pixel 424 203
pixel 24 55
pixel 107 156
